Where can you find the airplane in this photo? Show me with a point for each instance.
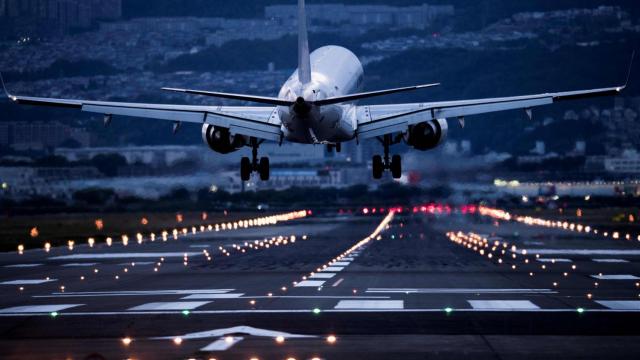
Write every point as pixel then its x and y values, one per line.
pixel 317 105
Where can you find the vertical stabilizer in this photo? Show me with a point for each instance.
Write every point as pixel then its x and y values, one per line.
pixel 304 61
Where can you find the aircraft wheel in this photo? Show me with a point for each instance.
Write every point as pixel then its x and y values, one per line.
pixel 264 169
pixel 338 147
pixel 396 166
pixel 377 166
pixel 245 169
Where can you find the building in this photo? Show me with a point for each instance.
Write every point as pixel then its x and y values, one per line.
pixel 39 135
pixel 627 163
pixel 47 18
pixel 417 17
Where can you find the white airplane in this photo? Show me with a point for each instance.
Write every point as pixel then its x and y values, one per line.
pixel 317 105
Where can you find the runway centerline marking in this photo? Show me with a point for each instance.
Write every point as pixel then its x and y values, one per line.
pixel 335 284
pixel 503 304
pixel 310 283
pixel 27 281
pixel 369 304
pixel 615 277
pixel 169 305
pixel 123 255
pixel 36 309
pixel 620 304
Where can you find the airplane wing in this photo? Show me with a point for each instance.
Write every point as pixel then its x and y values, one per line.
pixel 378 120
pixel 259 122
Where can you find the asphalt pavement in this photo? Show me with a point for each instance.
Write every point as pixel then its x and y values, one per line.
pixel 410 286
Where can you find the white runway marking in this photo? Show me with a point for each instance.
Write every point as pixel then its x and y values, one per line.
pixel 27 282
pixel 34 309
pixel 222 344
pixel 137 293
pixel 244 330
pixel 582 251
pixel 341 263
pixel 615 277
pixel 123 255
pixel 611 260
pixel 171 305
pixel 211 296
pixel 503 305
pixel 333 269
pixel 551 260
pixel 370 304
pixel 306 311
pixel 347 259
pixel 309 283
pixel 335 284
pixel 79 264
pixel 200 246
pixel 322 275
pixel 459 291
pixel 620 304
pixel 22 265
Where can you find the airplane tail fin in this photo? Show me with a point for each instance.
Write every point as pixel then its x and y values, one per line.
pixel 304 60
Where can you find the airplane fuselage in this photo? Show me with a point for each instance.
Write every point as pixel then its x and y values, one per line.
pixel 335 71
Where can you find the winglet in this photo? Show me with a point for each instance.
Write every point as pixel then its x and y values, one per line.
pixel 633 55
pixel 4 88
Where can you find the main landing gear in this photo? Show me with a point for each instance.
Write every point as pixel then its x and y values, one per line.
pixel 380 164
pixel 247 166
pixel 337 147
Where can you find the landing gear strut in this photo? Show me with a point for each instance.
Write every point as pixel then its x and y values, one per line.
pixel 337 147
pixel 380 164
pixel 247 166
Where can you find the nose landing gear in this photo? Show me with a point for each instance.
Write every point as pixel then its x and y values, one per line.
pixel 394 164
pixel 247 166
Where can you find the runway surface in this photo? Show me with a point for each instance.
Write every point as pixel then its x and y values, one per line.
pixel 328 287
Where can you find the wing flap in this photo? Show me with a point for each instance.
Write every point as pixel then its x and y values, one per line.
pixel 378 120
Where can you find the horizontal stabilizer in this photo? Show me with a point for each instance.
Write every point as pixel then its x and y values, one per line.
pixel 243 97
pixel 353 97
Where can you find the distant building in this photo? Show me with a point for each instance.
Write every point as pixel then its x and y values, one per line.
pixel 46 18
pixel 39 135
pixel 627 163
pixel 417 17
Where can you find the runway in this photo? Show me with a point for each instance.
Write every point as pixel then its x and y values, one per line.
pixel 328 287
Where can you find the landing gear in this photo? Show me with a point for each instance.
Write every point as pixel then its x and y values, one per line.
pixel 337 147
pixel 247 166
pixel 379 165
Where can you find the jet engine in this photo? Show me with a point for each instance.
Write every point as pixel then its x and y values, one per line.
pixel 427 135
pixel 220 139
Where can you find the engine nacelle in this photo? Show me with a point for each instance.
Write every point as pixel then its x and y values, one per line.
pixel 427 135
pixel 220 139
